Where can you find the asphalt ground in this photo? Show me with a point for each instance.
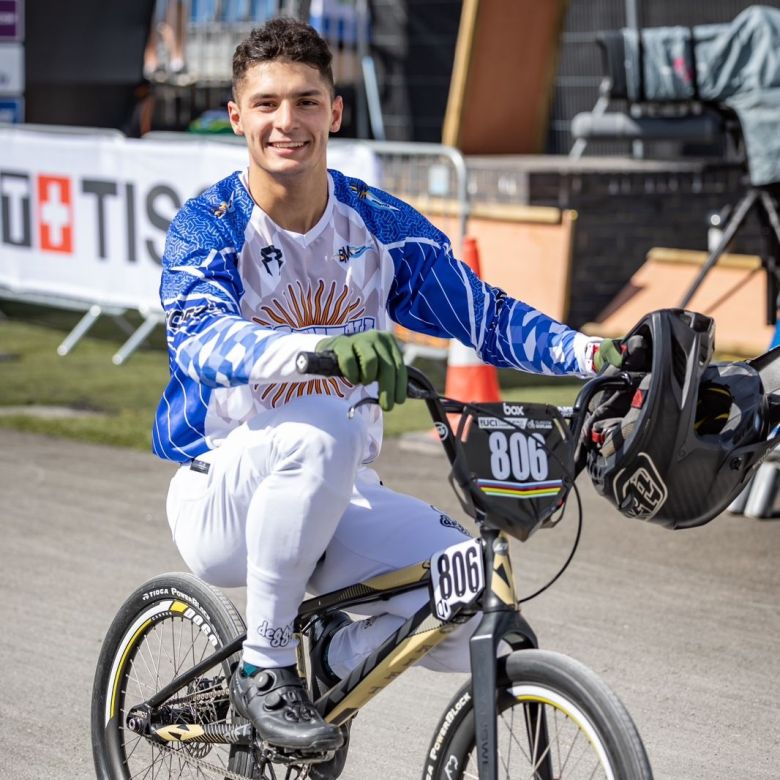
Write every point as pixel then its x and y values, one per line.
pixel 684 626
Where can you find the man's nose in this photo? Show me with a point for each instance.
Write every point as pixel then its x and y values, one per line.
pixel 285 116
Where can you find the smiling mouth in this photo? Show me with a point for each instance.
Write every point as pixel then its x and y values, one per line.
pixel 287 144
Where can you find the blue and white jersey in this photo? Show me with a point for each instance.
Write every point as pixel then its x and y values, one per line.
pixel 243 296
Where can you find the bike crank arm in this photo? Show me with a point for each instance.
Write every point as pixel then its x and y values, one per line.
pixel 223 733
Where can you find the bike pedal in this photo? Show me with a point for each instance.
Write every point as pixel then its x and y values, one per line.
pixel 280 755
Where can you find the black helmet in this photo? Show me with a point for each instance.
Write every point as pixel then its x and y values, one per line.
pixel 679 438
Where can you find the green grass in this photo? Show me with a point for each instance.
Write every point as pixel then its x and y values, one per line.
pixel 34 374
pixel 125 397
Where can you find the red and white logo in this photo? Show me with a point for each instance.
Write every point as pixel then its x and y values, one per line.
pixel 56 214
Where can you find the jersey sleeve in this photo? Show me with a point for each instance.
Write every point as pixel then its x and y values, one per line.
pixel 434 293
pixel 201 290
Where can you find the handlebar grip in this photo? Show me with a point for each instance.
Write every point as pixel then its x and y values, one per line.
pixel 320 363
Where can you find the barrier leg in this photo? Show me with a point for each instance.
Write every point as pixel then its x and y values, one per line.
pixel 762 491
pixel 737 506
pixel 123 325
pixel 82 326
pixel 138 337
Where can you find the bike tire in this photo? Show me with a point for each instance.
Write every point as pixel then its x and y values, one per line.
pixel 181 608
pixel 575 701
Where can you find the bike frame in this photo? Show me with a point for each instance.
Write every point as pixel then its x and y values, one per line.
pixel 423 631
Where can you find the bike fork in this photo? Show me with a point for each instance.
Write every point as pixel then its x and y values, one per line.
pixel 500 620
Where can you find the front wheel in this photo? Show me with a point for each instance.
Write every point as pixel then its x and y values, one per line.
pixel 556 721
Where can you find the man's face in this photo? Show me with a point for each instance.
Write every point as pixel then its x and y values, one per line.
pixel 286 112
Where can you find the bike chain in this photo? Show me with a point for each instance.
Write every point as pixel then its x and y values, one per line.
pixel 209 695
pixel 202 765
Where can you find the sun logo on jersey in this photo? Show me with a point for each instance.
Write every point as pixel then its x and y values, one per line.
pixel 300 308
pixel 365 194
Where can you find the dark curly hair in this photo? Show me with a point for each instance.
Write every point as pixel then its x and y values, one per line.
pixel 282 38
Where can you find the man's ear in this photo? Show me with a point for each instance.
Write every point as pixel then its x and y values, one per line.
pixel 234 114
pixel 337 111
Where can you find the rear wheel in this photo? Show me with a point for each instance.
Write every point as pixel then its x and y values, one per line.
pixel 167 626
pixel 556 721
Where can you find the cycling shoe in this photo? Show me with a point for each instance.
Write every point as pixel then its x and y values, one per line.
pixel 278 706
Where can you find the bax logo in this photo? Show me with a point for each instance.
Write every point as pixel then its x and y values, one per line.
pixel 55 213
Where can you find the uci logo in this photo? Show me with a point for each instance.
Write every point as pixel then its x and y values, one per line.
pixel 512 410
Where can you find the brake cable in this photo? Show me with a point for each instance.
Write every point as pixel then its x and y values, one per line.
pixel 571 553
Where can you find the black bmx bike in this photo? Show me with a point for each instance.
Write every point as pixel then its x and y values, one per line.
pixel 160 704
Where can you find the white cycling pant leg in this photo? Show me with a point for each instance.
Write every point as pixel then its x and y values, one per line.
pixel 382 531
pixel 266 511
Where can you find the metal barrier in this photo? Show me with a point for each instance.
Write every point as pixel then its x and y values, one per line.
pixel 417 180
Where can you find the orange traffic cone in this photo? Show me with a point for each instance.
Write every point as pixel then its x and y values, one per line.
pixel 468 378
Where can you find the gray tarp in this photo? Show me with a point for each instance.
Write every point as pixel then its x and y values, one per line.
pixel 736 64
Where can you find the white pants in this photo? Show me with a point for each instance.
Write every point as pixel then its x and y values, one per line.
pixel 284 489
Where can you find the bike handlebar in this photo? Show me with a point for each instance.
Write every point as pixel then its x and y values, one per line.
pixel 420 387
pixel 326 363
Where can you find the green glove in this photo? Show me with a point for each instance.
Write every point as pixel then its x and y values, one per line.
pixel 608 353
pixel 369 357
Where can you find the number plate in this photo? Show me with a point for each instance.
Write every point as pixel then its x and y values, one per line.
pixel 457 577
pixel 521 461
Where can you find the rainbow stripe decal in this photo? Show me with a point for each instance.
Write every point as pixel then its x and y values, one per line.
pixel 501 489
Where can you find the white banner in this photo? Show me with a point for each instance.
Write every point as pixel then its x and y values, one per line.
pixel 84 217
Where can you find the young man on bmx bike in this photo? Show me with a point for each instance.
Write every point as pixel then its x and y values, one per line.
pixel 275 491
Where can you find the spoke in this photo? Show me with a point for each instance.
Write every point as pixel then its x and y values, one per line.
pixel 544 755
pixel 511 731
pixel 203 652
pixel 537 729
pixel 579 758
pixel 520 746
pixel 144 769
pixel 504 762
pixel 159 664
pixel 557 735
pixel 534 759
pixel 191 651
pixel 173 650
pixel 571 749
pixel 140 655
pixel 137 743
pixel 162 649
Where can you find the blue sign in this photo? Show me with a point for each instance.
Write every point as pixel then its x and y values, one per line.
pixel 12 109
